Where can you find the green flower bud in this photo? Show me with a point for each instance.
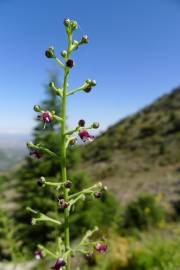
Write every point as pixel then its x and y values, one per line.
pixel 75 44
pixel 72 141
pixel 51 84
pixel 88 81
pixel 64 53
pixel 37 108
pixel 50 52
pixel 93 83
pixel 85 40
pixel 95 125
pixel 67 22
pixel 74 25
pixel 41 181
pixel 29 144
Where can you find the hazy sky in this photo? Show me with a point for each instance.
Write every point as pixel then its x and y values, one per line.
pixel 134 54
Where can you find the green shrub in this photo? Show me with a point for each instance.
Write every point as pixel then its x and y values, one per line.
pixel 157 254
pixel 143 213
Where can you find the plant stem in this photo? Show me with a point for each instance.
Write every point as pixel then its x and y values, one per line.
pixel 63 154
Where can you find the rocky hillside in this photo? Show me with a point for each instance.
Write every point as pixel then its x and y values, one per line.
pixel 141 152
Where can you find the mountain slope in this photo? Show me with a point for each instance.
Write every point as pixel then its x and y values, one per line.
pixel 141 152
pixel 12 150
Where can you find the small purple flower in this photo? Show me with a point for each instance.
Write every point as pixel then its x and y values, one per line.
pixel 38 254
pixel 36 154
pixel 97 194
pixel 85 136
pixel 91 260
pixel 47 117
pixel 68 184
pixel 63 204
pixel 101 247
pixel 59 264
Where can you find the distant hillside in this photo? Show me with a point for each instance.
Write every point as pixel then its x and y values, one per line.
pixel 12 150
pixel 141 152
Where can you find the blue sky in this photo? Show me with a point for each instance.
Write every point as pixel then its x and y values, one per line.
pixel 134 54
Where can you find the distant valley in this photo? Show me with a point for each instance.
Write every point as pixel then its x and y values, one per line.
pixel 12 150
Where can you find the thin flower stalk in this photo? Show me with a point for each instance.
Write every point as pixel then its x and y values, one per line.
pixel 66 201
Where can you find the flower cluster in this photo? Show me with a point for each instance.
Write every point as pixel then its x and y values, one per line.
pixel 66 200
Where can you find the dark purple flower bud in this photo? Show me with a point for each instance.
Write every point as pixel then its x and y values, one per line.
pixel 59 264
pixel 97 194
pixel 81 123
pixel 68 184
pixel 36 154
pixel 95 125
pixel 87 89
pixel 41 181
pixel 85 136
pixel 85 40
pixel 63 204
pixel 47 117
pixel 38 254
pixel 90 259
pixel 89 256
pixel 101 247
pixel 67 22
pixel 70 63
pixel 50 53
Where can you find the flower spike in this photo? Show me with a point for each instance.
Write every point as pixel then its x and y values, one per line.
pixel 64 192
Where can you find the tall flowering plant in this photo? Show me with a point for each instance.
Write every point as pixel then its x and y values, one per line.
pixel 66 200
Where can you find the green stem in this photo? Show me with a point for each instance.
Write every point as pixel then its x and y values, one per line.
pixel 63 154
